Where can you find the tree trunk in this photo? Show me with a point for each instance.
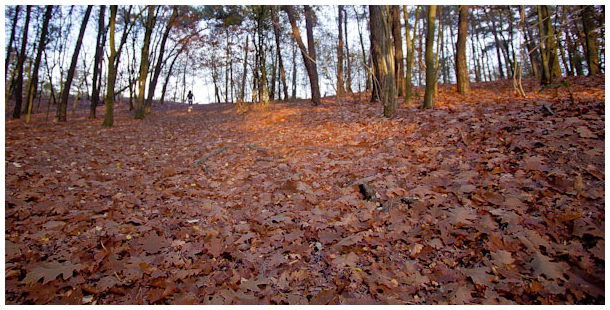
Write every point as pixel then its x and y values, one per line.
pixel 63 104
pixel 276 30
pixel 245 71
pixel 383 57
pixel 399 69
pixel 227 57
pixel 21 60
pixel 463 83
pixel 109 101
pixel 97 63
pixel 531 48
pixel 348 73
pixel 498 49
pixel 294 71
pixel 150 24
pixel 590 38
pixel 11 39
pixel 549 50
pixel 169 74
pixel 430 70
pixel 365 59
pixel 33 84
pixel 410 53
pixel 546 77
pixel 340 84
pixel 160 60
pixel 308 59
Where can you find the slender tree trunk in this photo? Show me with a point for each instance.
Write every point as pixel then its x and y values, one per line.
pixel 498 49
pixel 169 74
pixel 430 70
pixel 150 24
pixel 463 83
pixel 63 104
pixel 245 71
pixel 109 101
pixel 11 39
pixel 399 69
pixel 550 46
pixel 340 84
pixel 588 24
pixel 348 73
pixel 97 63
pixel 475 56
pixel 276 31
pixel 294 71
pixel 33 84
pixel 21 60
pixel 227 57
pixel 439 47
pixel 410 53
pixel 545 45
pixel 365 59
pixel 308 58
pixel 160 60
pixel 532 52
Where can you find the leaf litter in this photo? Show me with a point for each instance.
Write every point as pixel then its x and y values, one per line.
pixel 485 199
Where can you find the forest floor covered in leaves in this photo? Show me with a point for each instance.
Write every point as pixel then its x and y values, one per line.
pixel 487 198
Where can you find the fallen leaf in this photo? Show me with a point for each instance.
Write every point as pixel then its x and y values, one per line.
pixel 49 271
pixel 584 132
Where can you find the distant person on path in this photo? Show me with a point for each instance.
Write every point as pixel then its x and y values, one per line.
pixel 190 98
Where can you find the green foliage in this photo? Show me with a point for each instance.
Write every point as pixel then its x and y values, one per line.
pixel 225 15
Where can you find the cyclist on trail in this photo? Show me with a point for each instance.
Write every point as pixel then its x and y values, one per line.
pixel 190 97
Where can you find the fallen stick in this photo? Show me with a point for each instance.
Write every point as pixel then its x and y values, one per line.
pixel 204 159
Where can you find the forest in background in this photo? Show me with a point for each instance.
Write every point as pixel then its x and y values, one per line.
pixel 160 52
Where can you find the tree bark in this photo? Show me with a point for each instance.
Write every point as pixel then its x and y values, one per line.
pixel 531 48
pixel 11 39
pixel 243 77
pixel 348 73
pixel 63 104
pixel 410 53
pixel 340 84
pixel 545 45
pixel 294 71
pixel 150 24
pixel 276 31
pixel 160 60
pixel 399 70
pixel 430 70
pixel 169 74
pixel 33 84
pixel 590 38
pixel 365 59
pixel 383 57
pixel 21 60
pixel 109 101
pixel 463 83
pixel 308 59
pixel 97 63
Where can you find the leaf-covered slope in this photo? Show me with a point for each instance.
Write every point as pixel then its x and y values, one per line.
pixel 484 199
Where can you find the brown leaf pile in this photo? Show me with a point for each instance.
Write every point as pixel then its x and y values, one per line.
pixel 485 199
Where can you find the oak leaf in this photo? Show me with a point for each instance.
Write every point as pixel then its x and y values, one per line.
pixel 543 266
pixel 502 257
pixel 463 215
pixel 584 132
pixel 479 275
pixel 50 271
